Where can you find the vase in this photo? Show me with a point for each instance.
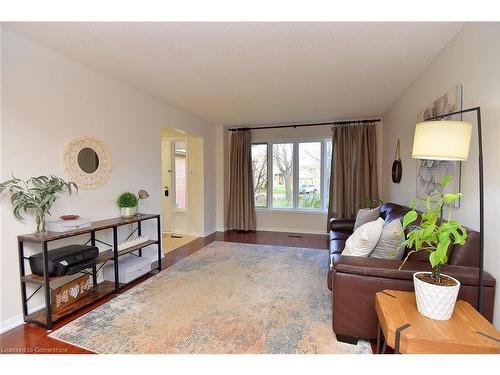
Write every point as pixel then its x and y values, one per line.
pixel 40 222
pixel 435 301
pixel 128 211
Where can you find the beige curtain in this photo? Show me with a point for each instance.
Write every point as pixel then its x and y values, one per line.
pixel 353 170
pixel 241 212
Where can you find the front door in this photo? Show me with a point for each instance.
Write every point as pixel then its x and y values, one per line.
pixel 166 180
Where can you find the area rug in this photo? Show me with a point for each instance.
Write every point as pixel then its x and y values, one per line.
pixel 225 298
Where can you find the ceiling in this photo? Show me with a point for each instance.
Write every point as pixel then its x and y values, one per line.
pixel 256 73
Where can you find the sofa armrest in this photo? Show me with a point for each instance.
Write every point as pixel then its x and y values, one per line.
pixel 342 225
pixel 389 269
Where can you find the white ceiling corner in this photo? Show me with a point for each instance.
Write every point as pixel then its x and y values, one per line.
pixel 243 73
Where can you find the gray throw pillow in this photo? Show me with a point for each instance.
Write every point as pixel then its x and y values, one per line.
pixel 365 215
pixel 390 241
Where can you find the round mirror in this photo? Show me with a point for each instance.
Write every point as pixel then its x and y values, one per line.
pixel 88 160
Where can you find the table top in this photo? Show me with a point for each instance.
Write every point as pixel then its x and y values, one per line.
pixel 466 332
pixel 94 226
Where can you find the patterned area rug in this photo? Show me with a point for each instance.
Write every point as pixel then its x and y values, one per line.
pixel 225 298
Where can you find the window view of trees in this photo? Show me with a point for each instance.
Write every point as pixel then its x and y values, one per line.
pixel 282 175
pixel 311 183
pixel 259 168
pixel 310 175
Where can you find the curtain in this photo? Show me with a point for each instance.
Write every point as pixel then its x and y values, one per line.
pixel 353 176
pixel 241 212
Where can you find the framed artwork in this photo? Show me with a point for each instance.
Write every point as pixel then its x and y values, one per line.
pixel 430 172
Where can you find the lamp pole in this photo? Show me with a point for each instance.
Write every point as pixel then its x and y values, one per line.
pixel 481 196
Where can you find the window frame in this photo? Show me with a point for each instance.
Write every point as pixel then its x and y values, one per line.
pixel 267 174
pixel 295 208
pixel 173 177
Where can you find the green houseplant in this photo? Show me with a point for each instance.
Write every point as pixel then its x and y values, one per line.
pixel 128 204
pixel 37 195
pixel 435 293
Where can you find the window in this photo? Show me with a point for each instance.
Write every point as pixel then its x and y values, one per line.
pixel 259 168
pixel 327 170
pixel 282 194
pixel 180 174
pixel 292 175
pixel 310 175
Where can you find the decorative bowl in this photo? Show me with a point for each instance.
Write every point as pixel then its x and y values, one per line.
pixel 69 217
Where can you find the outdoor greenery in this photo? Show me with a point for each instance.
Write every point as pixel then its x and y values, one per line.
pixel 309 200
pixel 432 234
pixel 127 199
pixel 280 158
pixel 37 195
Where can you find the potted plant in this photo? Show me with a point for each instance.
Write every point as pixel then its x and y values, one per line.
pixel 128 204
pixel 36 194
pixel 435 292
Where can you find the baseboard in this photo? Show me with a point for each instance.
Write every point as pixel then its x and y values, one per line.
pixel 292 230
pixel 8 324
pixel 16 321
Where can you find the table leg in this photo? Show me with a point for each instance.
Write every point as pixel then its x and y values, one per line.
pixel 158 231
pixel 398 337
pixel 94 268
pixel 378 337
pixel 139 233
pixel 46 282
pixel 115 259
pixel 22 272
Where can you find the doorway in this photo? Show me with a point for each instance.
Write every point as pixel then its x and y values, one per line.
pixel 182 187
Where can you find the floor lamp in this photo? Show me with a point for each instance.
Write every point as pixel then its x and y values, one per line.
pixel 450 140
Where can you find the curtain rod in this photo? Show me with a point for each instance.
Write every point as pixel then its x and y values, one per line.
pixel 334 123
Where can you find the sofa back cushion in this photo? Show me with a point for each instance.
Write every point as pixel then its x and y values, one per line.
pixel 458 255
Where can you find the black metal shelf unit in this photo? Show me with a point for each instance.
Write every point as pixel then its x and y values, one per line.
pixel 45 317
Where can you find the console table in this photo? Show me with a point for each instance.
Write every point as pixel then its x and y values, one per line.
pixel 407 331
pixel 45 317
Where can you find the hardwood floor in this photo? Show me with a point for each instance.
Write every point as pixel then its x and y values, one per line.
pixel 30 338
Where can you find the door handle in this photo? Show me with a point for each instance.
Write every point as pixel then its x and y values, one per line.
pixel 166 192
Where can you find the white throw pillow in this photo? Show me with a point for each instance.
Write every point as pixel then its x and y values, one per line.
pixel 389 241
pixel 364 239
pixel 365 215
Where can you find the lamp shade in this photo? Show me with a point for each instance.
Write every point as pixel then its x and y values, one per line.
pixel 442 140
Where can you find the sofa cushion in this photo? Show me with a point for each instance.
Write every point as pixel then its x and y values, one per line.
pixel 364 239
pixel 334 235
pixel 337 246
pixel 366 215
pixel 391 211
pixel 389 243
pixel 389 269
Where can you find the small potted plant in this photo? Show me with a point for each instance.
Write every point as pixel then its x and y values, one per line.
pixel 128 204
pixel 36 194
pixel 435 292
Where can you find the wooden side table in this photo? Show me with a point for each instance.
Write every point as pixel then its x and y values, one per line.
pixel 407 331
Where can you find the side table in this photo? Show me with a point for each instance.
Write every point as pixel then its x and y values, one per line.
pixel 407 331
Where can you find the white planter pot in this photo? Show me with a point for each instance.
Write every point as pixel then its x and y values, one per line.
pixel 128 211
pixel 435 301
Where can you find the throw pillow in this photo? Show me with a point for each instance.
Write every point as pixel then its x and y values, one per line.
pixel 364 239
pixel 389 241
pixel 365 215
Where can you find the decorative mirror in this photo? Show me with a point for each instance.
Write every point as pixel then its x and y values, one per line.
pixel 87 162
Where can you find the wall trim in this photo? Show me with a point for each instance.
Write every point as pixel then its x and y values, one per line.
pixel 15 321
pixel 292 230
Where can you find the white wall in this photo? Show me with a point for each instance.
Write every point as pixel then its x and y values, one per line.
pixel 286 221
pixel 47 100
pixel 472 59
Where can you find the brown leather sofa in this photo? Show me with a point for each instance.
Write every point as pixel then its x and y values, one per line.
pixel 355 280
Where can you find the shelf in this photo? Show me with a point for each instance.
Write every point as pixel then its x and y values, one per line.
pixel 38 279
pixel 109 255
pixel 94 226
pixel 101 290
pixel 104 256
